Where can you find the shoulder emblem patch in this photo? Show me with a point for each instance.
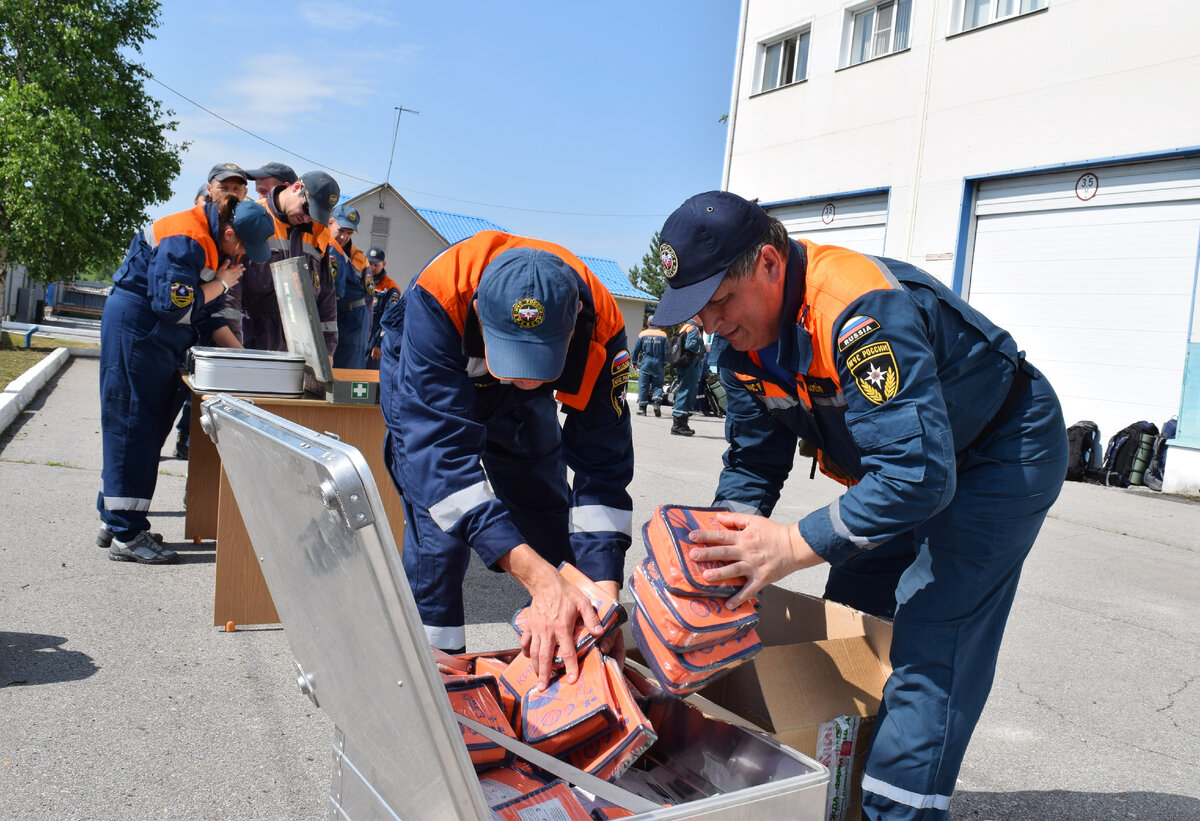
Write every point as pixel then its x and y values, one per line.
pixel 875 373
pixel 181 294
pixel 621 362
pixel 855 328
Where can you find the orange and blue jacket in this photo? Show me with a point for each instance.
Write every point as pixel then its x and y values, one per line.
pixel 650 351
pixel 437 397
pixel 169 260
pixel 882 368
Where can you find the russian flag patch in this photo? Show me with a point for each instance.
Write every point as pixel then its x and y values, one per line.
pixel 855 328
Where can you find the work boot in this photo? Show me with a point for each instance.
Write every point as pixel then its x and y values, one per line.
pixel 641 410
pixel 657 409
pixel 679 427
pixel 181 447
pixel 105 537
pixel 141 549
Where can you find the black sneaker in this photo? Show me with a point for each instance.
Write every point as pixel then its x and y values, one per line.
pixel 141 549
pixel 658 410
pixel 105 537
pixel 181 448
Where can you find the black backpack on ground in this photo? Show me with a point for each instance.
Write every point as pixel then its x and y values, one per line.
pixel 1083 449
pixel 679 356
pixel 1127 456
pixel 1158 456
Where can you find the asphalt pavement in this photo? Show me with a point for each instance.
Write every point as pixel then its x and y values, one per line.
pixel 121 701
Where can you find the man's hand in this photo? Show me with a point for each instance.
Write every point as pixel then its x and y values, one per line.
pixel 556 608
pixel 376 353
pixel 759 549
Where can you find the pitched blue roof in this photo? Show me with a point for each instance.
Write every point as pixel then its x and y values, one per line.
pixel 457 227
pixel 614 278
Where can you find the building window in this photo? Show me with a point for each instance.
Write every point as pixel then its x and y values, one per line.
pixel 878 30
pixel 784 61
pixel 380 227
pixel 971 14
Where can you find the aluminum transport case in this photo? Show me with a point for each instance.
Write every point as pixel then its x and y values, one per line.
pixel 315 517
pixel 243 370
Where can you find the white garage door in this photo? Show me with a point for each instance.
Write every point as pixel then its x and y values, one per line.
pixel 857 223
pixel 1093 272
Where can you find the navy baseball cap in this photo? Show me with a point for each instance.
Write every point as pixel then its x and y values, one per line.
pixel 376 255
pixel 346 217
pixel 225 170
pixel 700 240
pixel 323 194
pixel 254 226
pixel 277 170
pixel 528 300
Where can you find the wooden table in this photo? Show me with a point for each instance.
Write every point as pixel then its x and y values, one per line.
pixel 212 513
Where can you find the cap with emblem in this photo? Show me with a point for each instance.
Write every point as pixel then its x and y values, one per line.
pixel 225 170
pixel 346 217
pixel 376 255
pixel 278 170
pixel 700 240
pixel 528 300
pixel 254 226
pixel 323 193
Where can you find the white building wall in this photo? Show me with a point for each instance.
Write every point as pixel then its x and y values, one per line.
pixel 1079 80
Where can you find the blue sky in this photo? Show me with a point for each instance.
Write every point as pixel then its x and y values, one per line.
pixel 580 123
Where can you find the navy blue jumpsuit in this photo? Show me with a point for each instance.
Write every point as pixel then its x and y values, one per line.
pixel 155 312
pixel 649 352
pixel 953 449
pixel 353 283
pixel 482 464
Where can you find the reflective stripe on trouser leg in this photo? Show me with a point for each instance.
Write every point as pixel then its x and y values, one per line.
pixel 954 600
pixel 436 564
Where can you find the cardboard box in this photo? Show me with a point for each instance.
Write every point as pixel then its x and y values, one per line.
pixel 816 685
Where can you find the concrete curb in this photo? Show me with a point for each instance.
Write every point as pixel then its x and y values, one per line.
pixel 20 391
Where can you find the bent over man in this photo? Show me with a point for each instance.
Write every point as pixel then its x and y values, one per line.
pixel 952 447
pixel 486 339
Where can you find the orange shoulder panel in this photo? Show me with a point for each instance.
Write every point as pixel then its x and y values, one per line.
pixel 192 223
pixel 835 277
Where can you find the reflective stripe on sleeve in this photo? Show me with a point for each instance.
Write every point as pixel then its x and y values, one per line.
pixel 900 796
pixel 148 235
pixel 329 327
pixel 599 519
pixel 738 507
pixel 446 513
pixel 185 318
pixel 840 529
pixel 126 503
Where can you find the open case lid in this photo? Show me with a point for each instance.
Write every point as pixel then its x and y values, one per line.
pixel 296 294
pixel 335 574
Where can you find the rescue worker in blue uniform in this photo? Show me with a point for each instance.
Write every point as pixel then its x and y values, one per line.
pixel 485 340
pixel 649 351
pixel 301 210
pixel 952 447
pixel 351 285
pixel 387 292
pixel 169 290
pixel 688 377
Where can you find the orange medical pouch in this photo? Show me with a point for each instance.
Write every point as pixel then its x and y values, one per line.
pixel 664 662
pixel 686 622
pixel 611 614
pixel 472 697
pixel 518 679
pixel 503 784
pixel 610 755
pixel 666 538
pixel 722 656
pixel 491 666
pixel 565 716
pixel 555 800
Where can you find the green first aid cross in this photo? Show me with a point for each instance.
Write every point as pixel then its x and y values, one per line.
pixel 358 389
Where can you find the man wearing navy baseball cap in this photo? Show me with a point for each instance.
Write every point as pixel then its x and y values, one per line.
pixel 951 445
pixel 487 340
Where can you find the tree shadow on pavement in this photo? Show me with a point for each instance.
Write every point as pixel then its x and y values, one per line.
pixel 33 658
pixel 1065 805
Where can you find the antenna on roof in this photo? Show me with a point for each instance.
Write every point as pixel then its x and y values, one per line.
pixel 396 131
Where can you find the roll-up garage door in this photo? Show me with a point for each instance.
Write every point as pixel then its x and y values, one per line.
pixel 1093 272
pixel 857 223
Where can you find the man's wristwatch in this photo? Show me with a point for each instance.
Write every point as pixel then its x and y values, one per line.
pixel 224 285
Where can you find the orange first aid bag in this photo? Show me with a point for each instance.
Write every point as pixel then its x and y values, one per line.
pixel 504 784
pixel 686 622
pixel 494 667
pixel 565 716
pixel 667 542
pixel 611 614
pixel 554 801
pixel 664 662
pixel 610 755
pixel 471 696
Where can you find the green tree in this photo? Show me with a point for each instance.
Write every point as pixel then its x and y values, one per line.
pixel 648 276
pixel 83 147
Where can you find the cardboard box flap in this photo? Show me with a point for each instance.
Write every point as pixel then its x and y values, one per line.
pixel 787 617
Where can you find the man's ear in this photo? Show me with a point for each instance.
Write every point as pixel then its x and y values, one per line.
pixel 773 263
pixel 579 307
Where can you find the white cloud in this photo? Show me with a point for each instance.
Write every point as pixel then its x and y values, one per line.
pixel 275 93
pixel 342 16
